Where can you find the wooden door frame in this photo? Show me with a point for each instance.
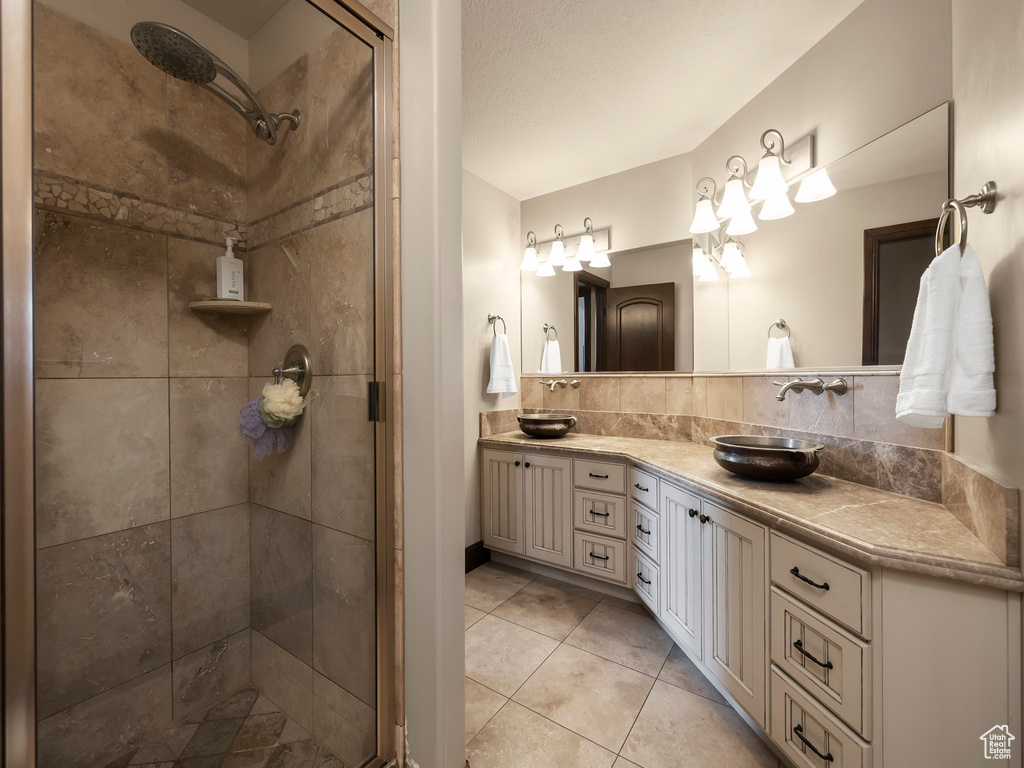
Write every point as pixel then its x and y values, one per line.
pixel 599 282
pixel 874 239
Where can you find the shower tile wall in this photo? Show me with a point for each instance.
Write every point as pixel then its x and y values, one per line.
pixel 161 588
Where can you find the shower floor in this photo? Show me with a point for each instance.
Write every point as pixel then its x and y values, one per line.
pixel 245 730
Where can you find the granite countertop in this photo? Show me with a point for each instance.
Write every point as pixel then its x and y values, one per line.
pixel 865 524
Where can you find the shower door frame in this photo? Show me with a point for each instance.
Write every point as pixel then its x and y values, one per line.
pixel 17 501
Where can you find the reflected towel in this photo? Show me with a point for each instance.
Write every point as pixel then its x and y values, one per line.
pixel 503 376
pixel 551 359
pixel 780 353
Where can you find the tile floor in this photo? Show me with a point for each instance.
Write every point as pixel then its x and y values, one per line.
pixel 560 676
pixel 245 730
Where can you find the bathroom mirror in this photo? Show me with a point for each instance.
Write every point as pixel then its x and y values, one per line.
pixel 842 273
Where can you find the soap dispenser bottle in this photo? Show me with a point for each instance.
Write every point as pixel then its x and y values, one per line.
pixel 230 278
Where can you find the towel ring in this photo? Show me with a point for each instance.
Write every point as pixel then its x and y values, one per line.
pixel 493 320
pixel 780 323
pixel 547 328
pixel 949 207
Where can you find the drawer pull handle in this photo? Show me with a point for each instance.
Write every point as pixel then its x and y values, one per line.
pixel 796 572
pixel 641 577
pixel 643 530
pixel 693 512
pixel 798 644
pixel 599 477
pixel 641 488
pixel 798 731
pixel 600 514
pixel 599 557
pixel 704 519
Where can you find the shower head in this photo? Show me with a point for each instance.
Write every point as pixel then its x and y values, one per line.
pixel 172 51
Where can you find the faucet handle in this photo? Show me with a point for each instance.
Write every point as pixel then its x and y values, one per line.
pixel 575 383
pixel 839 386
pixel 778 383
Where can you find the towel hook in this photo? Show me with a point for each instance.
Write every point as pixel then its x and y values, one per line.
pixel 547 328
pixel 493 320
pixel 781 324
pixel 986 200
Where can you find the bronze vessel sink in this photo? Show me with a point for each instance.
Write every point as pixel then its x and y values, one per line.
pixel 546 425
pixel 767 458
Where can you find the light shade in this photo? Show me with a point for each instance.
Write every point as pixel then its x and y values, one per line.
pixel 600 260
pixel 815 187
pixel 529 263
pixel 699 260
pixel 544 269
pixel 776 207
pixel 572 264
pixel 704 219
pixel 556 257
pixel 769 181
pixel 709 273
pixel 730 255
pixel 586 249
pixel 740 268
pixel 741 224
pixel 734 199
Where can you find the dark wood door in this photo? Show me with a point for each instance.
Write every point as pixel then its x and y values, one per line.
pixel 640 329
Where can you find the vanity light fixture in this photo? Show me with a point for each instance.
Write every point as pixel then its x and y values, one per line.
pixel 544 269
pixel 776 207
pixel 600 260
pixel 769 181
pixel 572 263
pixel 734 198
pixel 730 255
pixel 529 263
pixel 699 260
pixel 817 186
pixel 704 219
pixel 586 250
pixel 556 256
pixel 709 274
pixel 741 224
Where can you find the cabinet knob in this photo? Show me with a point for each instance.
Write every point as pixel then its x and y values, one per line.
pixel 704 519
pixel 527 465
pixel 517 463
pixel 693 512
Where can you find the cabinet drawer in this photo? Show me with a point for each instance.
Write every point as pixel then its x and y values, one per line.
pixel 833 665
pixel 599 475
pixel 839 590
pixel 600 557
pixel 645 577
pixel 644 487
pixel 800 726
pixel 643 530
pixel 599 513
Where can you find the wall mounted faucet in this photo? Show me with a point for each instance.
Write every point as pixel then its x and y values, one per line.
pixel 551 384
pixel 817 386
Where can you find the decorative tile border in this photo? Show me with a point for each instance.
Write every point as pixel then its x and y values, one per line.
pixel 987 507
pixel 63 195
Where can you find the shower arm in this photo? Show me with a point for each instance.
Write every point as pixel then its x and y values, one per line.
pixel 264 124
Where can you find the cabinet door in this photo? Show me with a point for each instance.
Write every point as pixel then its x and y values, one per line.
pixel 502 501
pixel 735 645
pixel 547 509
pixel 681 590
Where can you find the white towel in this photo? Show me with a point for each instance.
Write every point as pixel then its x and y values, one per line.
pixel 780 353
pixel 503 376
pixel 950 359
pixel 551 359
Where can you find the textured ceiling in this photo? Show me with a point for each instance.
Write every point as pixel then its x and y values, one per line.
pixel 558 92
pixel 243 17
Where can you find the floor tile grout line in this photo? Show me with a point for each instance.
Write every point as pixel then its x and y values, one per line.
pixel 524 626
pixel 640 711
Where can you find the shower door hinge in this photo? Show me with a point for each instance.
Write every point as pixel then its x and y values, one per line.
pixel 376 412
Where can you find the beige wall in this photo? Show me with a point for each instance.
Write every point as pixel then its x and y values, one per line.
pixel 988 112
pixel 290 33
pixel 490 284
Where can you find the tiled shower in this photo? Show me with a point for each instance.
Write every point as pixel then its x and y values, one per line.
pixel 173 569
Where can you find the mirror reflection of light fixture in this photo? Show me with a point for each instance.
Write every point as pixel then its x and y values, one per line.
pixel 709 274
pixel 699 260
pixel 600 260
pixel 544 269
pixel 572 263
pixel 586 249
pixel 704 219
pixel 776 207
pixel 817 186
pixel 529 263
pixel 730 255
pixel 739 267
pixel 741 224
pixel 556 256
pixel 734 198
pixel 769 181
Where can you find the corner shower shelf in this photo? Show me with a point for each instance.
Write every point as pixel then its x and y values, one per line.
pixel 228 307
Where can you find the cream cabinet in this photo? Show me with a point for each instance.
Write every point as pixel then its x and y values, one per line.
pixel 681 566
pixel 547 509
pixel 502 501
pixel 735 591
